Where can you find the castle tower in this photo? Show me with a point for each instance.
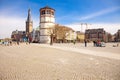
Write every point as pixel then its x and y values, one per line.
pixel 47 22
pixel 29 23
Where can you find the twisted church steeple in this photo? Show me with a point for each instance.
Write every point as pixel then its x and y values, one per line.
pixel 29 15
pixel 29 23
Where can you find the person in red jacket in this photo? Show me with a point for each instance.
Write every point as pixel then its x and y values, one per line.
pixel 30 39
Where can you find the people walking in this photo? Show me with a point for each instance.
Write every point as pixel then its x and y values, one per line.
pixel 26 39
pixel 30 39
pixel 98 43
pixel 85 41
pixel 74 42
pixel 18 39
pixel 94 43
pixel 10 43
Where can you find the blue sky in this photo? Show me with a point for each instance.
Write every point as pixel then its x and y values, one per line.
pixel 13 13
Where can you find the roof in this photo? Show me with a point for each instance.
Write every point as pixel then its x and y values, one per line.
pixel 19 32
pixel 80 33
pixel 47 7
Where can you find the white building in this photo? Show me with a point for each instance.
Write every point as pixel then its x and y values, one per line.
pixel 47 22
pixel 71 35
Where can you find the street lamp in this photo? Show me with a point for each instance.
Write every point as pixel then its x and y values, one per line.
pixel 81 27
pixel 86 24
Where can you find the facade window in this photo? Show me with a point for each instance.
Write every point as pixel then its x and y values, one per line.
pixel 43 12
pixel 100 35
pixel 93 35
pixel 52 13
pixel 48 12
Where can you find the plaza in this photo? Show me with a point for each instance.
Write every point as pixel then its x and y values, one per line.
pixel 59 62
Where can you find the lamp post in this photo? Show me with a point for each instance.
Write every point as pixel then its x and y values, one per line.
pixel 82 27
pixel 86 24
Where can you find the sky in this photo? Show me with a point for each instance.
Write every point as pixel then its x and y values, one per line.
pixel 72 13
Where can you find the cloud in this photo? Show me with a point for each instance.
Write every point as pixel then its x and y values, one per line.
pixel 9 24
pixel 11 19
pixel 103 12
pixel 111 28
pixel 12 23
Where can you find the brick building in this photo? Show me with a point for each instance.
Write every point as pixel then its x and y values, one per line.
pixel 95 34
pixel 117 36
pixel 80 36
pixel 18 35
pixel 21 35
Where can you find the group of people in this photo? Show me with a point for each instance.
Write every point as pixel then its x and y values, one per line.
pixel 6 42
pixel 95 43
pixel 25 39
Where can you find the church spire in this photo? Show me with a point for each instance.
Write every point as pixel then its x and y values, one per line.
pixel 29 23
pixel 29 15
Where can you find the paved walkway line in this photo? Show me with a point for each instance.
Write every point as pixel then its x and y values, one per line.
pixel 85 51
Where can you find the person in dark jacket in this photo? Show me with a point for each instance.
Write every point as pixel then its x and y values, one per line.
pixel 94 43
pixel 85 41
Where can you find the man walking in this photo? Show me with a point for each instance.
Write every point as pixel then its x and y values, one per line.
pixel 30 39
pixel 85 43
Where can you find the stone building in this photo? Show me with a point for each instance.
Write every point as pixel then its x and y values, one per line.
pixel 29 23
pixel 21 35
pixel 71 36
pixel 64 34
pixel 18 35
pixel 117 36
pixel 96 34
pixel 47 22
pixel 80 36
pixel 35 35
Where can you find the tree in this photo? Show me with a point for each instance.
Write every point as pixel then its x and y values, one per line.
pixel 60 32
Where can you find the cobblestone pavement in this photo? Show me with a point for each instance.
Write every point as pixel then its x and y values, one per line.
pixel 108 51
pixel 32 62
pixel 109 47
